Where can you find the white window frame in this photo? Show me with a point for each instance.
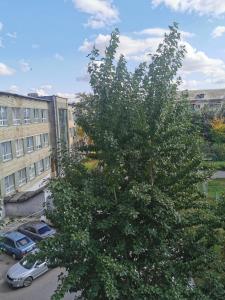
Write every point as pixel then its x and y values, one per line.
pixel 11 186
pixel 15 112
pixel 45 141
pixel 22 180
pixel 36 118
pixel 47 162
pixel 6 156
pixel 32 167
pixel 26 115
pixel 19 150
pixel 44 115
pixel 38 142
pixel 3 116
pixel 39 164
pixel 30 148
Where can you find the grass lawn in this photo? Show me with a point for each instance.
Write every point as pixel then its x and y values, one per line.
pixel 217 165
pixel 215 188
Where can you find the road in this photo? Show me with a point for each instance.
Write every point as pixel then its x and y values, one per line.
pixel 219 175
pixel 41 289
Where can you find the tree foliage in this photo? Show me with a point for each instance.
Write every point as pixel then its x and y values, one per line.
pixel 136 226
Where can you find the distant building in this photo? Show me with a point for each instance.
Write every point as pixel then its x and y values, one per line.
pixel 212 99
pixel 31 128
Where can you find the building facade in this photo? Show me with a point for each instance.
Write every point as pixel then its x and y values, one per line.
pixel 31 128
pixel 213 99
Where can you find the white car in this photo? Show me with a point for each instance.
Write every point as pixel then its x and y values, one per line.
pixel 24 272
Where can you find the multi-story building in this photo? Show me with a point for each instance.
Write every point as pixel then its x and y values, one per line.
pixel 31 128
pixel 213 98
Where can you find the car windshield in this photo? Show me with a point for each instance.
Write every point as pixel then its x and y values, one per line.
pixel 23 242
pixel 26 263
pixel 44 229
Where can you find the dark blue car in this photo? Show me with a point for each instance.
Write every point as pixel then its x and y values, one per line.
pixel 16 244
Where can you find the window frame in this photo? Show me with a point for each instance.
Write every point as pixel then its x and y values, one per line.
pixel 11 188
pixel 3 119
pixel 30 147
pixel 38 138
pixel 22 180
pixel 27 117
pixel 20 151
pixel 15 111
pixel 8 156
pixel 33 173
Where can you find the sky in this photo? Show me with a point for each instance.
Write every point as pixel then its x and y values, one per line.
pixel 44 44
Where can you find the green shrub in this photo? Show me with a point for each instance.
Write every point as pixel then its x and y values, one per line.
pixel 218 152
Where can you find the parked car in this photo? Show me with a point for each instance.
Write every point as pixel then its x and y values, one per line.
pixel 24 272
pixel 36 230
pixel 16 244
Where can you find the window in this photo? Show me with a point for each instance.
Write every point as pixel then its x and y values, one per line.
pixel 40 167
pixel 44 116
pixel 32 172
pixel 36 115
pixel 19 147
pixel 6 151
pixel 9 184
pixel 16 116
pixel 200 96
pixel 47 162
pixel 9 242
pixel 45 139
pixel 30 144
pixel 38 142
pixel 27 115
pixel 3 116
pixel 22 176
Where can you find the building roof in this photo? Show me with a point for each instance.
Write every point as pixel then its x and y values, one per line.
pixel 26 97
pixel 212 94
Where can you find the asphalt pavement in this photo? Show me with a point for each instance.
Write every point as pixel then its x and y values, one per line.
pixel 41 289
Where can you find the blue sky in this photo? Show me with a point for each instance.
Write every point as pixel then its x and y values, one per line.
pixel 44 44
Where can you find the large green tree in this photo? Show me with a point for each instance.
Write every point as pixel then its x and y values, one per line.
pixel 136 226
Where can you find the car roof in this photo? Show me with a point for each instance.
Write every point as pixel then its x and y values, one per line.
pixel 36 224
pixel 15 235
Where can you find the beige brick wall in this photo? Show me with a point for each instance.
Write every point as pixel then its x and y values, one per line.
pixel 12 101
pixel 11 166
pixel 22 131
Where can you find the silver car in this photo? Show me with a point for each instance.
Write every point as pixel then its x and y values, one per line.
pixel 24 272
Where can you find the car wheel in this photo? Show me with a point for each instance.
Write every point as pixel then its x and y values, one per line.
pixel 27 282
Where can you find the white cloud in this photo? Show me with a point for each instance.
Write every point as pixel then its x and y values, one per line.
pixel 6 70
pixel 43 90
pixel 12 35
pixel 196 63
pixel 218 31
pixel 202 7
pixel 58 56
pixel 132 49
pixel 1 26
pixel 1 43
pixel 13 89
pixel 161 31
pixel 102 12
pixel 24 66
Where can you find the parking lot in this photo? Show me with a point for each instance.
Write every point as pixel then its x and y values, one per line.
pixel 41 289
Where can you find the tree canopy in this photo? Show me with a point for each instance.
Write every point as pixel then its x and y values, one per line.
pixel 135 226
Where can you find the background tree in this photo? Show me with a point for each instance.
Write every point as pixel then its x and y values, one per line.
pixel 136 226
